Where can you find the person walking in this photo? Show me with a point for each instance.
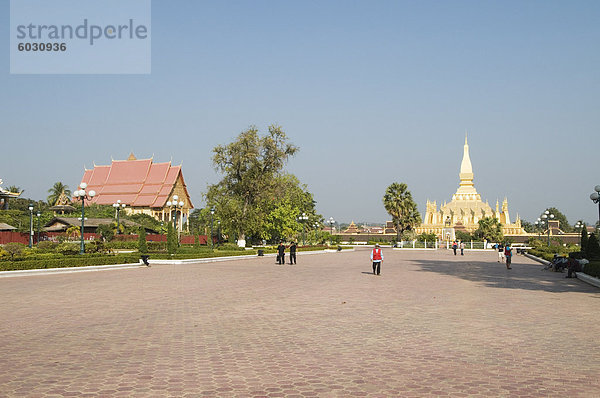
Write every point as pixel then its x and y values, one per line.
pixel 454 247
pixel 293 253
pixel 508 255
pixel 462 248
pixel 376 258
pixel 281 253
pixel 500 253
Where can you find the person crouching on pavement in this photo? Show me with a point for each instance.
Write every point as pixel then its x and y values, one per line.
pixel 376 258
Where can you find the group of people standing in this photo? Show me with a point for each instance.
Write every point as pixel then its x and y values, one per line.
pixel 281 253
pixel 456 245
pixel 504 253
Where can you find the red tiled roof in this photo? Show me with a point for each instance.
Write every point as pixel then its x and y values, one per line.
pixel 133 182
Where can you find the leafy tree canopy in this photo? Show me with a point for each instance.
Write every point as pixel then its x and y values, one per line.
pixel 252 167
pixel 489 229
pixel 57 189
pixel 558 215
pixel 398 202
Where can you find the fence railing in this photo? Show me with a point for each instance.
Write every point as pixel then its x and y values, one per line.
pixel 414 244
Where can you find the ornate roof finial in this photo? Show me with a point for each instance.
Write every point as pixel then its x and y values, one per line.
pixel 131 156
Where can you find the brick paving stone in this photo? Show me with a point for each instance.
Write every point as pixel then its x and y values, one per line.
pixel 432 325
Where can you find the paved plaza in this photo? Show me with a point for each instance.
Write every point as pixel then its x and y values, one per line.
pixel 433 324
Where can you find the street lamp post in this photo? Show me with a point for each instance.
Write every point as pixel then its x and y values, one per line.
pixel 547 217
pixel 83 195
pixel 331 223
pixel 38 214
pixel 212 243
pixel 30 224
pixel 303 218
pixel 118 206
pixel 538 226
pixel 174 205
pixel 595 197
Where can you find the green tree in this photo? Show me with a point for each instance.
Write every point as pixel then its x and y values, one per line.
pixel 281 222
pixel 172 243
pixel 14 249
pixel 489 229
pixel 558 215
pixel 15 189
pixel 584 239
pixel 106 231
pixel 144 220
pixel 528 227
pixel 250 166
pixel 429 237
pixel 464 236
pixel 592 250
pixel 57 189
pixel 398 202
pixel 142 245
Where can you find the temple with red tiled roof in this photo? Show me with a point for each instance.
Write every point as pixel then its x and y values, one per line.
pixel 143 186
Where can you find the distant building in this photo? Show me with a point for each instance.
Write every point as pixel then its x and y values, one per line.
pixel 466 209
pixel 61 224
pixel 62 205
pixel 5 196
pixel 352 229
pixel 144 186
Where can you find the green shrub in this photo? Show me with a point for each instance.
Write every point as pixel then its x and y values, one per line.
pixel 62 262
pixel 106 231
pixel 68 248
pixel 94 246
pixel 122 244
pixel 592 269
pixel 231 246
pixel 47 246
pixel 142 245
pixel 172 240
pixel 14 249
pixel 593 248
pixel 157 246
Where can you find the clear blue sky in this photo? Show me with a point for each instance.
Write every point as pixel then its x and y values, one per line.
pixel 373 92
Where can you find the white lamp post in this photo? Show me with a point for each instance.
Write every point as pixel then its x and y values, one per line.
pixel 83 195
pixel 303 218
pixel 118 206
pixel 30 207
pixel 547 217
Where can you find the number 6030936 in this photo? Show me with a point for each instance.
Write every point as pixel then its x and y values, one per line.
pixel 42 46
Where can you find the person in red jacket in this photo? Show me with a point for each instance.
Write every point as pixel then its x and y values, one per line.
pixel 376 258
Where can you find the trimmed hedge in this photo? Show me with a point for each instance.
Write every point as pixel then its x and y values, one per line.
pixel 200 254
pixel 592 269
pixel 68 261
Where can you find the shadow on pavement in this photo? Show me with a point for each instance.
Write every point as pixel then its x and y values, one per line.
pixel 521 276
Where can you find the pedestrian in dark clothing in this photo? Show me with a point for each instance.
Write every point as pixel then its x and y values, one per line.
pixel 508 255
pixel 293 253
pixel 281 254
pixel 572 267
pixel 454 247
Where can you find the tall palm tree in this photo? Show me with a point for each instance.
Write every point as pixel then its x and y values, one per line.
pixel 398 202
pixel 55 192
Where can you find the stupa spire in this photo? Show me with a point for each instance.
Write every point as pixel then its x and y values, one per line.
pixel 466 190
